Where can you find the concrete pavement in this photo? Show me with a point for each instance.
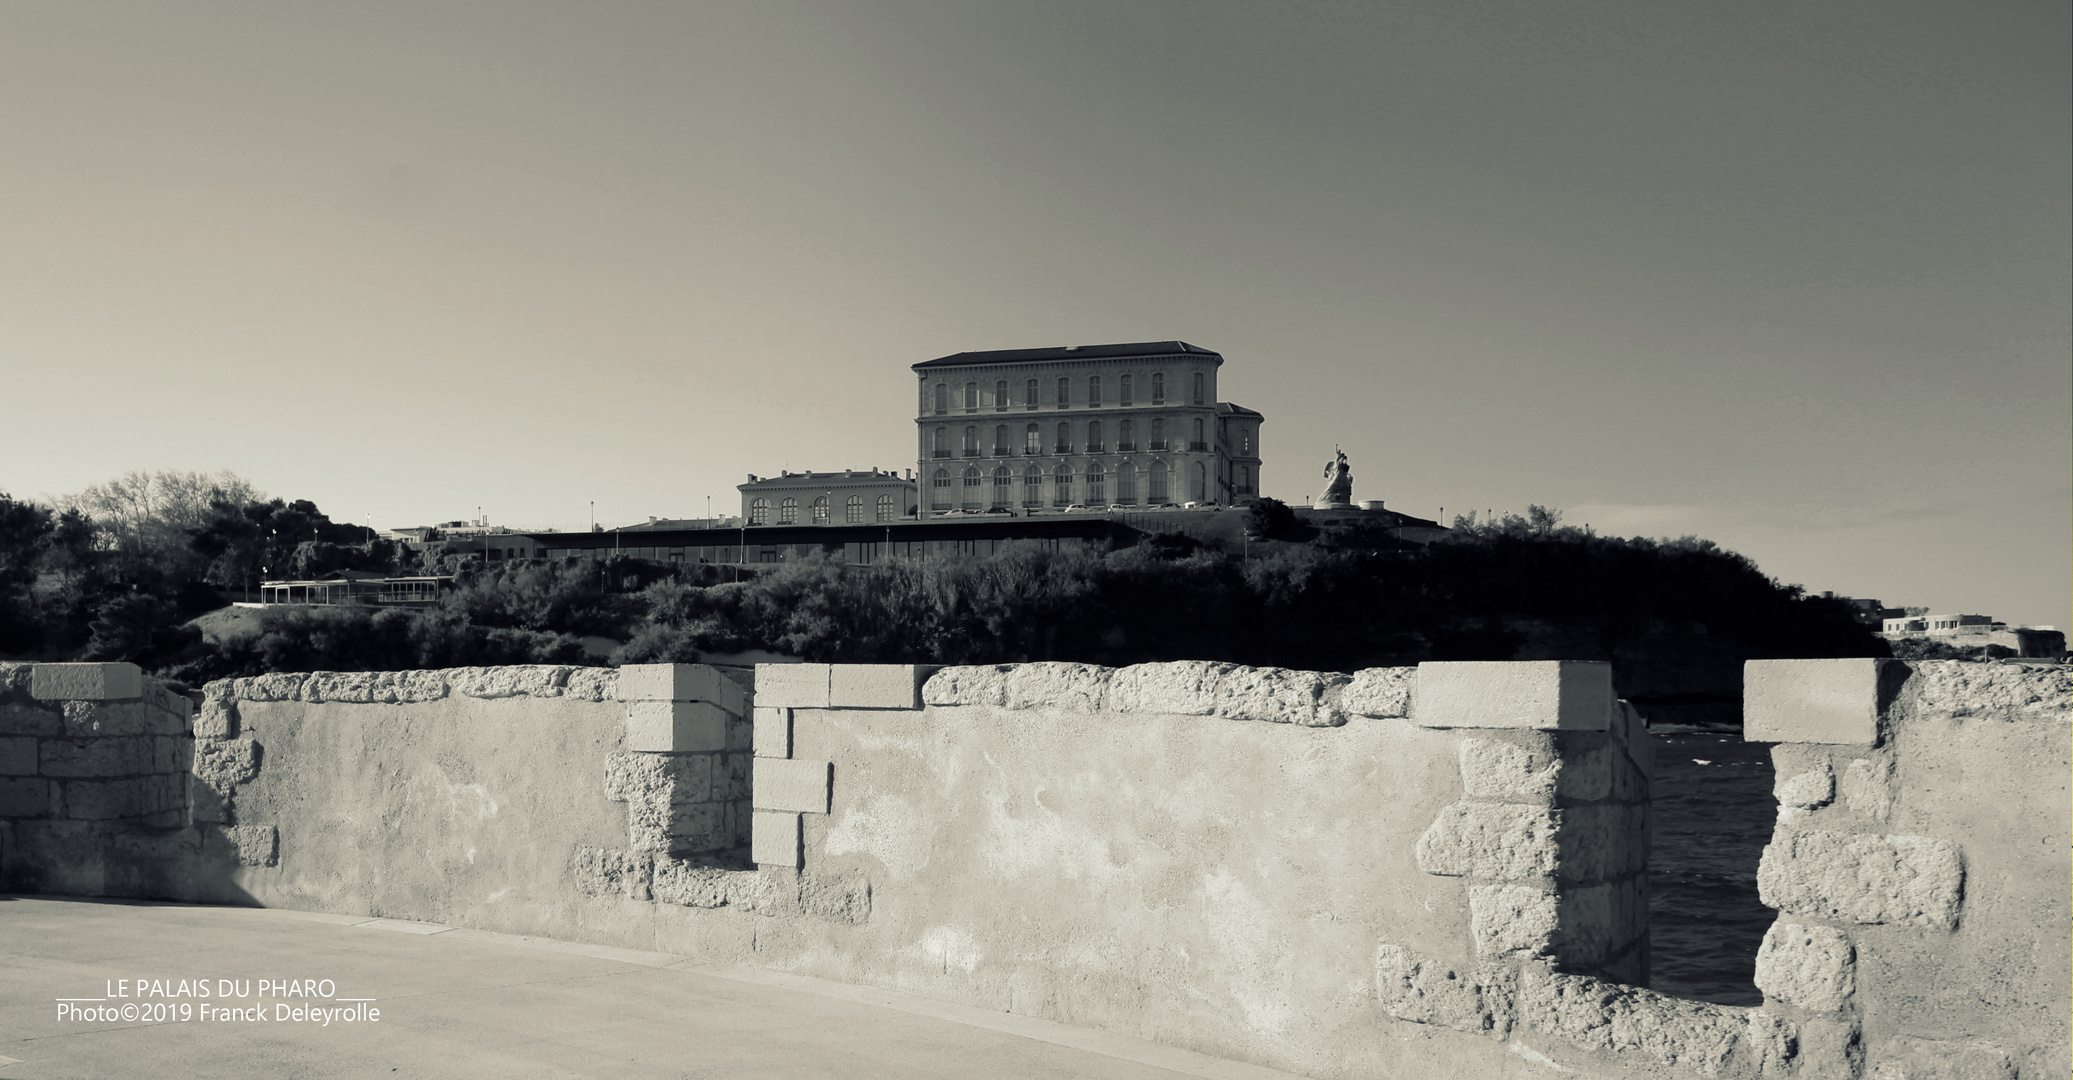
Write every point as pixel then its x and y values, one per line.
pixel 465 1003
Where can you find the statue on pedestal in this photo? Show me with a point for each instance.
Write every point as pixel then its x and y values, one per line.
pixel 1338 482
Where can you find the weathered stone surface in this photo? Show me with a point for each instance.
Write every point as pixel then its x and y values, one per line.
pixel 386 687
pixel 592 684
pixel 1811 701
pixel 172 844
pixel 17 719
pixel 208 805
pixel 876 686
pixel 1829 1050
pixel 731 775
pixel 1513 920
pixel 1962 688
pixel 1181 688
pixel 1422 991
pixel 1876 878
pixel 85 719
pixel 681 682
pixel 1504 841
pixel 218 719
pixel 24 797
pixel 611 872
pixel 1548 695
pixel 1382 691
pixel 1071 687
pixel 668 801
pixel 1280 696
pixel 248 845
pixel 774 839
pixel 274 686
pixel 110 757
pixel 1595 924
pixel 792 686
pixel 1627 1020
pixel 773 732
pixel 1809 790
pixel 676 726
pixel 104 800
pixel 1868 787
pixel 983 685
pixel 1587 774
pixel 1600 843
pixel 86 682
pixel 225 763
pixel 796 786
pixel 1942 1059
pixel 525 680
pixel 1813 967
pixel 1491 769
pixel 678 882
pixel 17 755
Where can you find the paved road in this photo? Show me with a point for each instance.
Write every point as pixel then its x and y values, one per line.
pixel 464 1003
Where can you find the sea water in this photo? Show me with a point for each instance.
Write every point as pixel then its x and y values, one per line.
pixel 1713 815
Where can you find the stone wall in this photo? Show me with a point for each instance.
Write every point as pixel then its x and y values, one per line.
pixel 1920 866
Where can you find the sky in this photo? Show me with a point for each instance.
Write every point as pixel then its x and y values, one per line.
pixel 1790 276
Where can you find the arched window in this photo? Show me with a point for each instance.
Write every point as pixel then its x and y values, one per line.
pixel 971 397
pixel 1065 438
pixel 1097 485
pixel 1126 484
pixel 1244 484
pixel 1032 440
pixel 1124 444
pixel 759 511
pixel 1065 393
pixel 1061 486
pixel 1033 486
pixel 1000 439
pixel 1003 487
pixel 1198 388
pixel 1030 394
pixel 853 510
pixel 1198 444
pixel 1157 492
pixel 942 399
pixel 1158 388
pixel 1125 395
pixel 820 509
pixel 939 496
pixel 942 442
pixel 1093 390
pixel 973 484
pixel 1201 491
pixel 1158 433
pixel 788 511
pixel 885 508
pixel 1094 437
pixel 971 442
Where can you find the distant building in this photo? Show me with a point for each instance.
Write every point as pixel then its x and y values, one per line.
pixel 848 497
pixel 1939 625
pixel 355 587
pixel 1969 631
pixel 1129 425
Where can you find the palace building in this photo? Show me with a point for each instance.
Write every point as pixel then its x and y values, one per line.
pixel 1128 425
pixel 849 497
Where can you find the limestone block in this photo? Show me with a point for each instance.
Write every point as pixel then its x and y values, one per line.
pixel 1596 924
pixel 661 779
pixel 1280 696
pixel 1829 1050
pixel 675 727
pixel 1640 748
pixel 1181 688
pixel 173 845
pixel 1811 701
pixel 207 805
pixel 22 797
pixel 515 680
pixel 1812 967
pixel 1959 688
pixel 218 719
pixel 1599 843
pixel 1422 991
pixel 386 687
pixel 1587 772
pixel 86 682
pixel 30 720
pixel 1491 769
pixel 984 685
pixel 1802 792
pixel 273 686
pixel 731 777
pixel 17 755
pixel 1513 920
pixel 876 686
pixel 250 845
pixel 697 827
pixel 1050 685
pixel 119 756
pixel 85 719
pixel 792 686
pixel 796 786
pixel 1868 787
pixel 592 684
pixel 610 872
pixel 1550 695
pixel 774 839
pixel 104 800
pixel 1862 878
pixel 688 885
pixel 681 682
pixel 773 732
pixel 1504 841
pixel 741 733
pixel 1636 1023
pixel 1382 691
pixel 1942 1059
pixel 225 763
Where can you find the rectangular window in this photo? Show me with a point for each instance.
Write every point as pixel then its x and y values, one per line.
pixel 1065 393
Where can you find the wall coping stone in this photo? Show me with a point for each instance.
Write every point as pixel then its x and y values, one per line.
pixel 398 687
pixel 86 682
pixel 1547 695
pixel 1811 701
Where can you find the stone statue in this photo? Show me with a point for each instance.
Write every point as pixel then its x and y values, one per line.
pixel 1338 487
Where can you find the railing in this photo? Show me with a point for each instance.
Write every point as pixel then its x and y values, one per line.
pixel 1002 451
pixel 971 451
pixel 1126 447
pixel 1064 448
pixel 1157 444
pixel 1095 448
pixel 940 453
pixel 1198 446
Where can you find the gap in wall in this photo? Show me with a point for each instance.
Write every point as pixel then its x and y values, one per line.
pixel 1713 814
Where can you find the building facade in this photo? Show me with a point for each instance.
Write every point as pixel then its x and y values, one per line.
pixel 1031 430
pixel 849 497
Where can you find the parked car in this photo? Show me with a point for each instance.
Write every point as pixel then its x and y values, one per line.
pixel 1079 508
pixel 1000 510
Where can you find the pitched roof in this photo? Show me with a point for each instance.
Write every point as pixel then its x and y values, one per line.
pixel 1228 408
pixel 1068 352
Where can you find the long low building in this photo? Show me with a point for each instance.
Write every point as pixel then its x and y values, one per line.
pixel 764 544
